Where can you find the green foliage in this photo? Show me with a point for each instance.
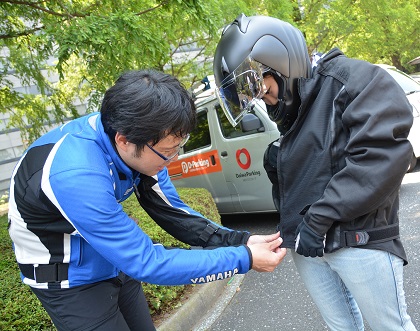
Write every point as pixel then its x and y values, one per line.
pixel 200 200
pixel 88 44
pixel 4 198
pixel 21 310
pixel 377 31
pixel 163 298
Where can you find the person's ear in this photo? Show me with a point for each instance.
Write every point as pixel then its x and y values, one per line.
pixel 121 141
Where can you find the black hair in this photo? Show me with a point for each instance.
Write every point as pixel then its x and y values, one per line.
pixel 146 106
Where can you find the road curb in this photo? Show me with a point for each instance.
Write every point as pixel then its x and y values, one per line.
pixel 204 306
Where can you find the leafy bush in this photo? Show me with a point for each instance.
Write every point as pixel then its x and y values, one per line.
pixel 21 310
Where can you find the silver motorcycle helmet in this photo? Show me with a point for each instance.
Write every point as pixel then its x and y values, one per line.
pixel 251 47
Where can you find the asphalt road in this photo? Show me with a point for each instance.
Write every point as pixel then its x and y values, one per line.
pixel 279 301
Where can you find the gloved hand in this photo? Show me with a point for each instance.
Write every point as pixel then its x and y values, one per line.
pixel 309 243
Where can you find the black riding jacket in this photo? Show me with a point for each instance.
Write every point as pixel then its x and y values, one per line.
pixel 341 164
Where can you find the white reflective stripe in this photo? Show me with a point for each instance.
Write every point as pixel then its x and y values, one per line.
pixel 92 121
pixel 159 192
pixel 33 248
pixel 47 189
pixel 62 127
pixel 33 283
pixel 67 247
pixel 19 233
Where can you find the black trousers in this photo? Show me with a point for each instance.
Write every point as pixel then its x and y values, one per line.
pixel 117 304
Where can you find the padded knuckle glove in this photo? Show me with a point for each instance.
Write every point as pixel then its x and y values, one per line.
pixel 308 243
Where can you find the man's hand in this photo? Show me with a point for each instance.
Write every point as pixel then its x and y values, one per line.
pixel 266 256
pixel 259 239
pixel 309 243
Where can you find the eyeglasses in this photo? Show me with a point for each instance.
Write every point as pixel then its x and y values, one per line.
pixel 168 158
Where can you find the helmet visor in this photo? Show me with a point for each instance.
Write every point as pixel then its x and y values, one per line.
pixel 240 90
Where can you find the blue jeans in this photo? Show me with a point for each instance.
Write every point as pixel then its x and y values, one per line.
pixel 354 281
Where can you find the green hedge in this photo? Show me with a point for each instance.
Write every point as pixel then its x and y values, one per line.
pixel 21 310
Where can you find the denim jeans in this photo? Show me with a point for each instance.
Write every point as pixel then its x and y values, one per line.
pixel 354 281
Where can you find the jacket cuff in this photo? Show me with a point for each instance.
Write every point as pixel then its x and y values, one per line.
pixel 250 257
pixel 246 237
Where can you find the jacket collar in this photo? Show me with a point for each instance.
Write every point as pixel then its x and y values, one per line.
pixel 110 151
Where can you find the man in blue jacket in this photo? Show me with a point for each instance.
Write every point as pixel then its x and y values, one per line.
pixel 78 250
pixel 336 169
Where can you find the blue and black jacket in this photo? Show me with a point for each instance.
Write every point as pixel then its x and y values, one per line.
pixel 69 228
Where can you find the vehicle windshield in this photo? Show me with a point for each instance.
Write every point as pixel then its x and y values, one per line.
pixel 408 84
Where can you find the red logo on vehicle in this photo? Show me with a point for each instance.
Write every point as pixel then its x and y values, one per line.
pixel 247 163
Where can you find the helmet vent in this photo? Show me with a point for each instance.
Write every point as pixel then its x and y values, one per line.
pixel 242 21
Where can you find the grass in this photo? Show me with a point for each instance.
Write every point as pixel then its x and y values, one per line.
pixel 20 309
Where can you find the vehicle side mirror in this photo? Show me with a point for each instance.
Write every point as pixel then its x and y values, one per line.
pixel 251 122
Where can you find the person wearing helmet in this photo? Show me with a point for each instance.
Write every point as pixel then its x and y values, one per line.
pixel 81 254
pixel 336 169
